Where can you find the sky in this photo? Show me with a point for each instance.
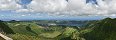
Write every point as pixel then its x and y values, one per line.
pixel 57 9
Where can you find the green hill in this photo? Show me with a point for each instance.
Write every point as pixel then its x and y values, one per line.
pixel 29 30
pixel 5 28
pixel 103 30
pixel 23 30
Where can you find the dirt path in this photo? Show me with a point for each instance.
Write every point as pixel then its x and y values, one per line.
pixel 3 37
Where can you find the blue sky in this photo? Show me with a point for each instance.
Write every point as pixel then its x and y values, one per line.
pixel 25 2
pixel 53 11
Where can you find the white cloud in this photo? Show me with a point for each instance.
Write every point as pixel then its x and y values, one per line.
pixel 9 5
pixel 24 10
pixel 48 5
pixel 64 8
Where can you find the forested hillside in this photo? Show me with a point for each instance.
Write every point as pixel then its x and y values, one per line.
pixel 103 30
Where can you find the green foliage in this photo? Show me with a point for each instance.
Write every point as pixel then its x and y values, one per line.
pixel 68 32
pixel 103 30
pixel 5 28
pixel 96 30
pixel 75 35
pixel 24 37
pixel 55 28
pixel 85 31
pixel 71 34
pixel 26 28
pixel 51 35
pixel 32 31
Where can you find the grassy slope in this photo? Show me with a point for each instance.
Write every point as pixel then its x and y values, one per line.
pixel 32 31
pixel 20 27
pixel 103 30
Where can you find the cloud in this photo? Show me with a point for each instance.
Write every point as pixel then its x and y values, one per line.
pixel 70 8
pixel 104 8
pixel 23 10
pixel 48 5
pixel 107 7
pixel 9 5
pixel 64 8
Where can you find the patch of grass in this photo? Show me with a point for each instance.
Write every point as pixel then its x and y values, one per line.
pixel 23 37
pixel 20 27
pixel 68 31
pixel 51 35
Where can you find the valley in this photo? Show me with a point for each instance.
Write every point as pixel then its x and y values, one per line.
pixel 56 30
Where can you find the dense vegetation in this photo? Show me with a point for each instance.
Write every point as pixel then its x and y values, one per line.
pixel 103 30
pixel 30 30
